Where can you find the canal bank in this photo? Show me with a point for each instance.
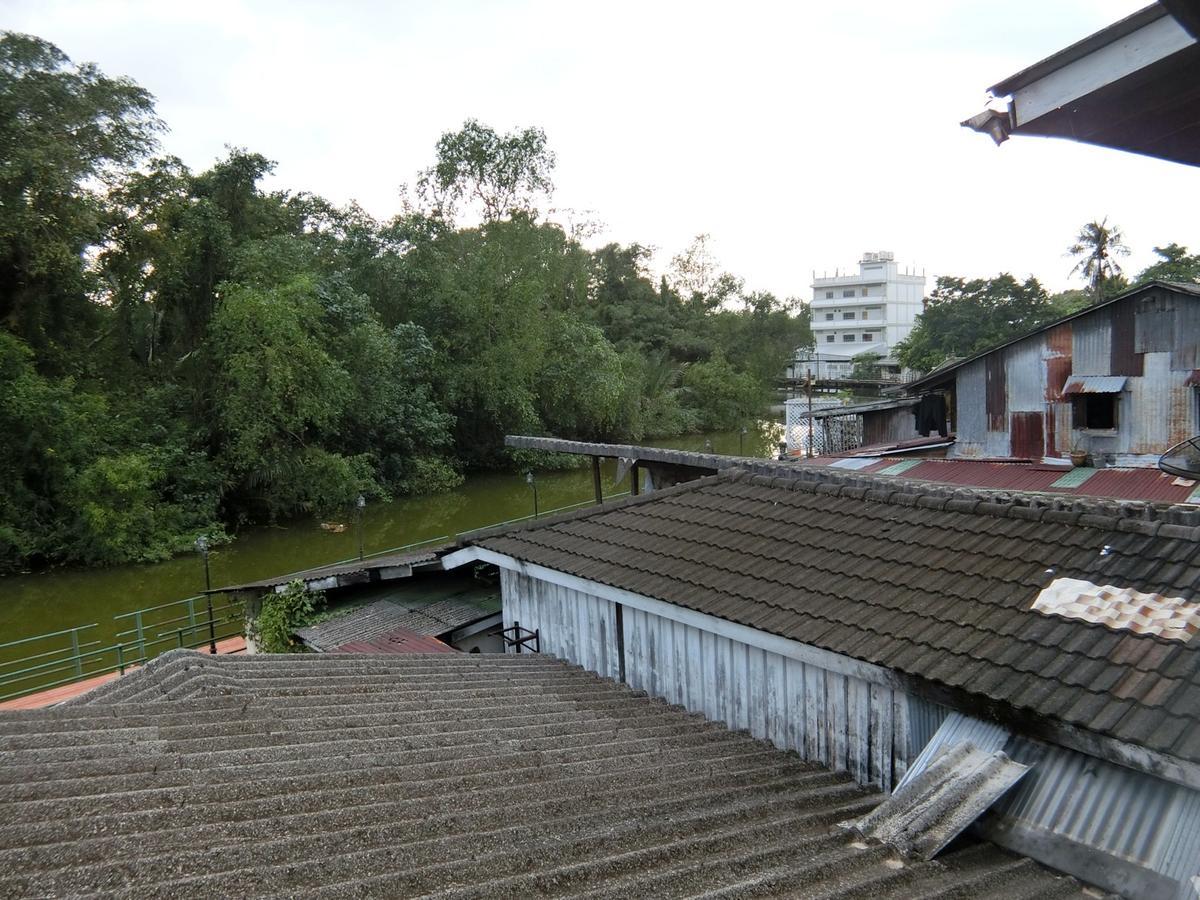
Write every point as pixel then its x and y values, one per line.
pixel 67 597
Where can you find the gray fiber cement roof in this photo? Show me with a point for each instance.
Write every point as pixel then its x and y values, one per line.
pixel 382 616
pixel 482 776
pixel 934 585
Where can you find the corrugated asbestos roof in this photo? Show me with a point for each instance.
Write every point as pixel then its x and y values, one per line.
pixel 376 619
pixel 405 776
pixel 940 588
pixel 927 812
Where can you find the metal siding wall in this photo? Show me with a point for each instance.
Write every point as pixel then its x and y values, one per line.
pixel 1091 345
pixel 1116 810
pixel 837 720
pixel 1185 352
pixel 1124 359
pixel 1148 409
pixel 969 417
pixel 1025 375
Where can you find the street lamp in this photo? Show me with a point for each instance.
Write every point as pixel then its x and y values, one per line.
pixel 532 482
pixel 202 547
pixel 742 441
pixel 360 504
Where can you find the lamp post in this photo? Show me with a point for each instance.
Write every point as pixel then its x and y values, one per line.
pixel 532 482
pixel 742 441
pixel 202 546
pixel 360 504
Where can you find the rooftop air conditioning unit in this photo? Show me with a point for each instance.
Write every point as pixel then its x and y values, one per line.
pixel 886 255
pixel 870 257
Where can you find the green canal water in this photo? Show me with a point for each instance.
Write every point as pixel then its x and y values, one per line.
pixel 67 597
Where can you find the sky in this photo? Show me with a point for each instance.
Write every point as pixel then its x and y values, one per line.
pixel 796 134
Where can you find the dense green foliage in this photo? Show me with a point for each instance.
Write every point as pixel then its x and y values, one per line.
pixel 184 352
pixel 963 317
pixel 282 613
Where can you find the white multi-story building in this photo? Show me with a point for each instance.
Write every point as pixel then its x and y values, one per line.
pixel 869 312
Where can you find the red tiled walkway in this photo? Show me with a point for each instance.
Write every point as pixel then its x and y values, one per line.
pixel 63 692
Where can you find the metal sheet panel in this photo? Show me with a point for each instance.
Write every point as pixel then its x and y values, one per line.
pixel 995 391
pixel 827 717
pixel 1154 321
pixel 1028 435
pixel 1091 344
pixel 1185 351
pixel 929 810
pixel 1094 384
pixel 1123 357
pixel 1120 812
pixel 1025 375
pixel 969 416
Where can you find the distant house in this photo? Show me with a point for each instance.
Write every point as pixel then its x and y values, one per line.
pixel 869 625
pixel 1117 380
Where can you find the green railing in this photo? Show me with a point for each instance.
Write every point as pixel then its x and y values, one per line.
pixel 196 622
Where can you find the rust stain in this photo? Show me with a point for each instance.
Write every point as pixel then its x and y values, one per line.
pixel 1051 434
pixel 1058 360
pixel 995 391
pixel 1027 435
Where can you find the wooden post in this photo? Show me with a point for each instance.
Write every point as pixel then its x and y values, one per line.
pixel 808 384
pixel 596 480
pixel 635 480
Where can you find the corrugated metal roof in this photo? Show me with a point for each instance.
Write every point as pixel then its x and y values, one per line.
pixel 398 640
pixel 1094 384
pixel 930 810
pixel 1118 484
pixel 355 567
pixel 385 616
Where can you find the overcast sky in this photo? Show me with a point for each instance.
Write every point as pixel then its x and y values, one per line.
pixel 797 134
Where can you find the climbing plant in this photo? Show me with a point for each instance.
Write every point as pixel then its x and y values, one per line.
pixel 282 614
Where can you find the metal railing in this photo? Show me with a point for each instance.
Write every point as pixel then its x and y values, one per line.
pixel 190 623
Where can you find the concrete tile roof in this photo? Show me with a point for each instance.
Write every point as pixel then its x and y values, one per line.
pixel 934 586
pixel 404 776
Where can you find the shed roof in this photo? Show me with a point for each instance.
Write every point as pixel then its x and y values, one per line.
pixel 454 775
pixel 937 587
pixel 356 567
pixel 382 617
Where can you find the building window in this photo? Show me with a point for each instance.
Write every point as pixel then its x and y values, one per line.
pixel 848 315
pixel 830 338
pixel 1094 411
pixel 848 338
pixel 828 317
pixel 849 292
pixel 868 337
pixel 829 295
pixel 864 314
pixel 864 292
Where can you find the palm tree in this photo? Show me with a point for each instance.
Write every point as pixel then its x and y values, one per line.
pixel 1095 248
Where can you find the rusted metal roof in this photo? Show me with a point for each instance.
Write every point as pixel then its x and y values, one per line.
pixel 1118 484
pixel 399 640
pixel 1094 384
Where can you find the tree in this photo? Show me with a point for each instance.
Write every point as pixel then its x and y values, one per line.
pixel 1175 264
pixel 497 173
pixel 1096 247
pixel 964 317
pixel 66 132
pixel 866 366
